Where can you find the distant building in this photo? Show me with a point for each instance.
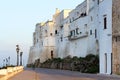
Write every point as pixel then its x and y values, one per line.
pixel 93 27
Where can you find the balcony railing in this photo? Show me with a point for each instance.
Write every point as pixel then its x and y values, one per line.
pixel 78 36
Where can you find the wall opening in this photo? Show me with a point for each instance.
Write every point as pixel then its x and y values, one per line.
pixel 105 22
pixel 51 54
pixel 56 32
pixel 95 33
pixel 105 62
pixel 90 32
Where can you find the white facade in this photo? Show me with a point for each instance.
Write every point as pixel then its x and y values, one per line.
pixel 87 29
pixel 61 33
pixel 83 29
pixel 105 36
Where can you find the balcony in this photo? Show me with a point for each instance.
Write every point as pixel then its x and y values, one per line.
pixel 78 36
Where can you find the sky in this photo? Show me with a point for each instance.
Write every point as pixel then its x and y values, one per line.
pixel 17 23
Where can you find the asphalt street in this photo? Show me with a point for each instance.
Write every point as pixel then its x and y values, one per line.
pixel 53 74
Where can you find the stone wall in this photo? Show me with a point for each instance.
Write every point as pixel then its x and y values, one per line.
pixel 88 64
pixel 5 74
pixel 116 36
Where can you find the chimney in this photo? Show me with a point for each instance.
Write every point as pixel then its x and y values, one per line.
pixel 57 11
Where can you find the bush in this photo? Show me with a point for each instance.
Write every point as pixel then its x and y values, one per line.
pixel 88 64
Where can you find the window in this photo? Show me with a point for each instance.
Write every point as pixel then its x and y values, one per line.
pixel 37 40
pixel 98 2
pixel 70 33
pixel 74 32
pixel 90 32
pixel 73 18
pixel 105 62
pixel 51 34
pixel 77 13
pixel 52 54
pixel 77 29
pixel 42 43
pixel 70 20
pixel 80 32
pixel 55 31
pixel 91 18
pixel 61 39
pixel 61 26
pixel 46 31
pixel 95 33
pixel 105 22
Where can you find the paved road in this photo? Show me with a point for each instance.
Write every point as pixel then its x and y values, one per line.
pixel 52 74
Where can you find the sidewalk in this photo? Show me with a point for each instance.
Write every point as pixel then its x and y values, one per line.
pixel 26 75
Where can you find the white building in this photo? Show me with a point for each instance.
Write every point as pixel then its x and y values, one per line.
pixel 61 24
pixel 91 28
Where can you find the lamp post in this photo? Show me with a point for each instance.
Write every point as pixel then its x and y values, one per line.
pixel 21 53
pixel 9 60
pixel 17 50
pixel 3 62
pixel 6 62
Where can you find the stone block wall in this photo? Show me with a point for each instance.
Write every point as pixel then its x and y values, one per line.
pixel 116 36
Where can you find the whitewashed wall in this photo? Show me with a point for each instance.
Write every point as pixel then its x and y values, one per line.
pixel 105 39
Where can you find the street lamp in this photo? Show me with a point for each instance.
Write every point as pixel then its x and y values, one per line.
pixel 17 50
pixel 21 53
pixel 6 62
pixel 3 62
pixel 9 60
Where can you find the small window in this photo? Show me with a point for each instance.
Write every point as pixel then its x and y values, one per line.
pixel 95 33
pixel 78 13
pixel 37 40
pixel 70 20
pixel 52 54
pixel 70 33
pixel 46 31
pixel 105 22
pixel 91 18
pixel 73 18
pixel 51 34
pixel 42 43
pixel 80 32
pixel 61 26
pixel 106 62
pixel 98 2
pixel 61 39
pixel 74 32
pixel 55 31
pixel 77 29
pixel 90 32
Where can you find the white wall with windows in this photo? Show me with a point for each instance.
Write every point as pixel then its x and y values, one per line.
pixel 105 35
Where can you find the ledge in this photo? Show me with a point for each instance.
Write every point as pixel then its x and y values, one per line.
pixel 9 72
